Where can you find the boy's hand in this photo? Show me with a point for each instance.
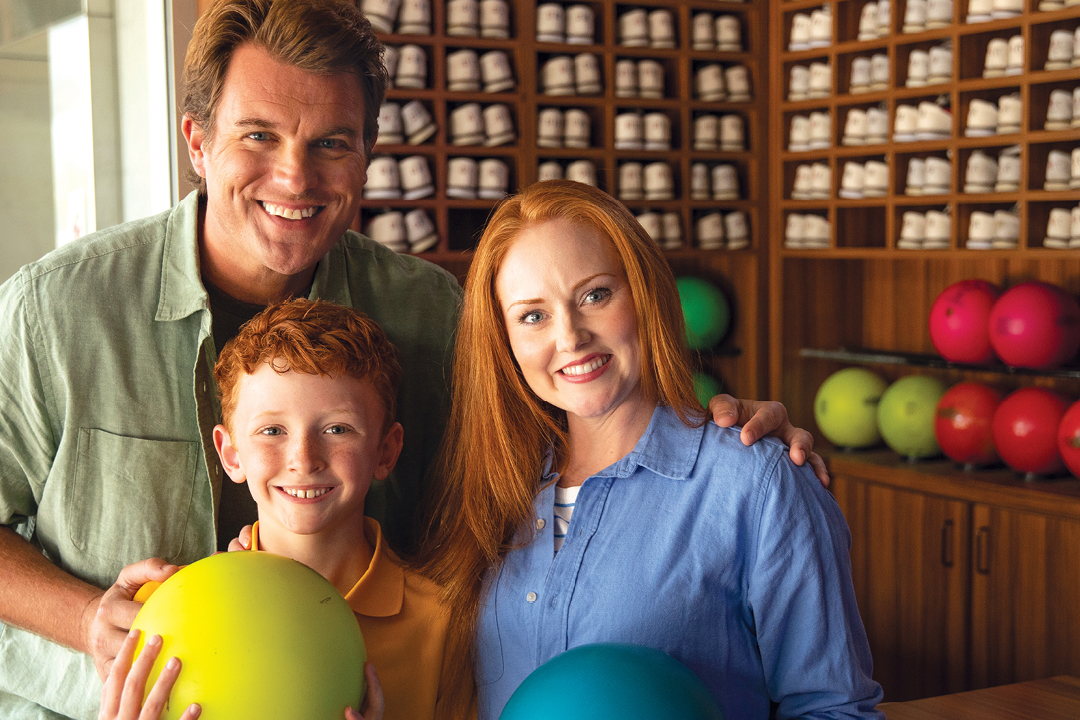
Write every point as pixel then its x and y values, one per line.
pixel 243 542
pixel 374 706
pixel 122 695
pixel 768 417
pixel 116 610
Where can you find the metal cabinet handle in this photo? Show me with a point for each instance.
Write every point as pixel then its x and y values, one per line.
pixel 982 550
pixel 947 544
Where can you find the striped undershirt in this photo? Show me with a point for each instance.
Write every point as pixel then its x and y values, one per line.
pixel 565 498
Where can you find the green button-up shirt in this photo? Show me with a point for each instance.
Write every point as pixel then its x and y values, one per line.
pixel 107 402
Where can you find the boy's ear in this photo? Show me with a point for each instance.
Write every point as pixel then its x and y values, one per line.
pixel 230 459
pixel 389 449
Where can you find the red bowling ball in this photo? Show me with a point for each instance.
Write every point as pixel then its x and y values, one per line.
pixel 963 423
pixel 1068 438
pixel 1025 430
pixel 960 322
pixel 1035 325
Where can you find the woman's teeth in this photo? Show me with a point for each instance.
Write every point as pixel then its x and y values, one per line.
pixel 306 494
pixel 586 367
pixel 289 213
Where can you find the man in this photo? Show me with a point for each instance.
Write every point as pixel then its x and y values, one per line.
pixel 107 400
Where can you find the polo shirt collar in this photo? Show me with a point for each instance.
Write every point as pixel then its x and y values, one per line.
pixel 182 292
pixel 662 449
pixel 380 591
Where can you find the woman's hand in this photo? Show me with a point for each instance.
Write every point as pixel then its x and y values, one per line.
pixel 122 695
pixel 374 705
pixel 243 542
pixel 765 417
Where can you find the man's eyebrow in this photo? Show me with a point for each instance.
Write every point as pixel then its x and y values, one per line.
pixel 255 122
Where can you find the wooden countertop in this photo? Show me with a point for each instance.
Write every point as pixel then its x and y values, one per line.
pixel 1056 698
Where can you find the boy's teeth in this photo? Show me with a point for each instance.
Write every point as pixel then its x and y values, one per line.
pixel 289 213
pixel 586 368
pixel 306 494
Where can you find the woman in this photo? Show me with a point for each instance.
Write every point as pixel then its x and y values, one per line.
pixel 572 379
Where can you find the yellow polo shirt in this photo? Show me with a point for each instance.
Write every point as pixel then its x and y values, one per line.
pixel 404 627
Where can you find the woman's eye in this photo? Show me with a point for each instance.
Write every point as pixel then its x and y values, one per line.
pixel 531 318
pixel 597 295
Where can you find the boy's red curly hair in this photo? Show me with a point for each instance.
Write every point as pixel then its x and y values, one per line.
pixel 313 337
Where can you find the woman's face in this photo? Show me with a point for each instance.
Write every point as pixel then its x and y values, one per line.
pixel 570 319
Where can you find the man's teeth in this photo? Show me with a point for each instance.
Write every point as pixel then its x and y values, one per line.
pixel 586 367
pixel 289 213
pixel 306 494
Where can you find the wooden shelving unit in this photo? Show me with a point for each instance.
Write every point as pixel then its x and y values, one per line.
pixel 964 579
pixel 740 361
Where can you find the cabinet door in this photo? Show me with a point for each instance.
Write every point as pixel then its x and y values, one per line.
pixel 910 564
pixel 1025 596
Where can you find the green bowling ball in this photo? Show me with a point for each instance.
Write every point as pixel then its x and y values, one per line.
pixel 706 387
pixel 906 415
pixel 846 407
pixel 705 311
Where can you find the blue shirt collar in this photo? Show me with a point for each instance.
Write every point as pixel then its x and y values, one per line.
pixel 661 449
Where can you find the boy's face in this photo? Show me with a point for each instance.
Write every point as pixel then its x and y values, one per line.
pixel 308 447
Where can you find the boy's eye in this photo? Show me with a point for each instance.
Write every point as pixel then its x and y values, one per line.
pixel 272 431
pixel 337 430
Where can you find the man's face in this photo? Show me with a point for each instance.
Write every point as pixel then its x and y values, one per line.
pixel 284 168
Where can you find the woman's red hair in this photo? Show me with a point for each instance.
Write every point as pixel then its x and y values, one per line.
pixel 499 431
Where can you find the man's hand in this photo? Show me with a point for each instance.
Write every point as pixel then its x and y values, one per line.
pixel 765 417
pixel 110 617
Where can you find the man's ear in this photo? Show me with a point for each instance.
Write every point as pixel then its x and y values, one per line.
pixel 230 459
pixel 389 449
pixel 196 142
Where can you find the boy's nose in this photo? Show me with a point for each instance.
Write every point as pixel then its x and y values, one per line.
pixel 304 456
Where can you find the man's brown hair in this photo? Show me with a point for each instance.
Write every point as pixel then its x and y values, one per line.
pixel 313 337
pixel 317 36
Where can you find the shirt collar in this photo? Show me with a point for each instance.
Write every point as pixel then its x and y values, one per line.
pixel 380 591
pixel 662 449
pixel 182 292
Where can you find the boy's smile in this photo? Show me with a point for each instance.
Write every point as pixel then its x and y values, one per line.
pixel 308 447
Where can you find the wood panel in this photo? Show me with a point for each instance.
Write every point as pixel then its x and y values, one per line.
pixel 910 566
pixel 1025 596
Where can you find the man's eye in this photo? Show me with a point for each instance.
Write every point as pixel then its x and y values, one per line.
pixel 258 136
pixel 330 144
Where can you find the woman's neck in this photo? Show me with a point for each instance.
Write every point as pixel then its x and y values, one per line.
pixel 596 443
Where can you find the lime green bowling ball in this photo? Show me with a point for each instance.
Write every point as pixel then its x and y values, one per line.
pixel 846 407
pixel 705 312
pixel 906 415
pixel 706 388
pixel 260 636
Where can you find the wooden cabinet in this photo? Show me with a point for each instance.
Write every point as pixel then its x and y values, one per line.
pixel 964 580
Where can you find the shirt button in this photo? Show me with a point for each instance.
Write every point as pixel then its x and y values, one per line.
pixel 540 523
pixel 531 597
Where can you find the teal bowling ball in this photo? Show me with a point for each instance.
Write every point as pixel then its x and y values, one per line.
pixel 612 681
pixel 705 312
pixel 706 387
pixel 846 407
pixel 906 415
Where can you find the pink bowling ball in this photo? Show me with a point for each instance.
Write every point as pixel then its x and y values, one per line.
pixel 1069 438
pixel 960 322
pixel 1035 325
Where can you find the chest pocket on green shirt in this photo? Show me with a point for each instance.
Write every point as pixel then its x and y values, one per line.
pixel 130 498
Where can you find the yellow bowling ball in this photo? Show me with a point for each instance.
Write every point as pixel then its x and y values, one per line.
pixel 260 636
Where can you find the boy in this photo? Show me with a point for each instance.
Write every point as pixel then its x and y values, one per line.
pixel 308 395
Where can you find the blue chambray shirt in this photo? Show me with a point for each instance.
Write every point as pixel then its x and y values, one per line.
pixel 730 559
